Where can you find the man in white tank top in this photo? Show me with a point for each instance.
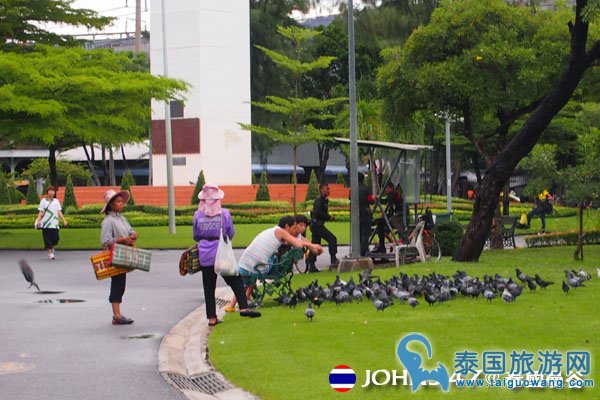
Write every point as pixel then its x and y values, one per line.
pixel 265 244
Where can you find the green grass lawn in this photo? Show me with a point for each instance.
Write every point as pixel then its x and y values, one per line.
pixel 283 356
pixel 158 236
pixel 154 237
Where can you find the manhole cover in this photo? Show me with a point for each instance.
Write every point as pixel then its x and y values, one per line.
pixel 209 383
pixel 221 302
pixel 147 336
pixel 48 292
pixel 60 301
pixel 14 367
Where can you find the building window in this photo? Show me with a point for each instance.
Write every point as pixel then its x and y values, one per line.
pixel 176 108
pixel 178 160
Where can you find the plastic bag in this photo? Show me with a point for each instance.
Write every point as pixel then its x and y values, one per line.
pixel 225 262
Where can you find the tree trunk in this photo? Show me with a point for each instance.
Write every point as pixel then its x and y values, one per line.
pixel 498 174
pixel 125 166
pixel 111 167
pixel 52 165
pixel 496 231
pixel 91 167
pixel 477 168
pixel 104 169
pixel 578 256
pixel 506 199
pixel 323 150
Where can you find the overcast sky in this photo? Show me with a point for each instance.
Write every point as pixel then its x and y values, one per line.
pixel 124 11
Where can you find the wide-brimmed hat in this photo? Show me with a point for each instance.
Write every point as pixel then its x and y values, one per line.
pixel 110 194
pixel 210 191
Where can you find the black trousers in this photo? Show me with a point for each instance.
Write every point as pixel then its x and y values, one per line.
pixel 537 211
pixel 209 281
pixel 117 288
pixel 321 232
pixel 365 233
pixel 50 238
pixel 382 228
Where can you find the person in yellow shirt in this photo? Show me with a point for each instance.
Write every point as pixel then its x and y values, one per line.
pixel 542 207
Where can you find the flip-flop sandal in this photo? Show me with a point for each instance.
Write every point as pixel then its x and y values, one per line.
pixel 214 323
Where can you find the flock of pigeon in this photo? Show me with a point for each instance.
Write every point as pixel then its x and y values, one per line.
pixel 432 288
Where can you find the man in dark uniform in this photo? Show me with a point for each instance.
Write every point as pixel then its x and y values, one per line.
pixel 395 211
pixel 365 198
pixel 319 215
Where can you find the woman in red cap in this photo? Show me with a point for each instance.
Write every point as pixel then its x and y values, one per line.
pixel 116 229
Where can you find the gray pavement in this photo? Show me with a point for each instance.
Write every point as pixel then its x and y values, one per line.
pixel 52 350
pixel 71 351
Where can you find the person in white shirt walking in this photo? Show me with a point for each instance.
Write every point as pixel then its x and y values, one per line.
pixel 49 211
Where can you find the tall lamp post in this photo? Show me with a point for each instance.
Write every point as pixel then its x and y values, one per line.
pixel 168 142
pixel 448 167
pixel 354 210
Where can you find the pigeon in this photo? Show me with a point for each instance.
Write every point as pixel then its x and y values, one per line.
pixel 489 295
pixel 584 275
pixel 507 297
pixel 522 277
pixel 565 287
pixel 412 302
pixel 542 282
pixel 531 285
pixel 28 274
pixel 310 312
pixel 318 301
pixel 380 305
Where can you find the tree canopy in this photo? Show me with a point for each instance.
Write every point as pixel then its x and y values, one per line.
pixel 64 97
pixel 25 22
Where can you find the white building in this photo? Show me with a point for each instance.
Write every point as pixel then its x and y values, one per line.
pixel 208 45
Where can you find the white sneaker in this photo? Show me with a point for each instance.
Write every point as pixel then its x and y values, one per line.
pixel 51 256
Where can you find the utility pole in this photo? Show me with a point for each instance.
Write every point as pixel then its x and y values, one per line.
pixel 138 25
pixel 354 209
pixel 168 144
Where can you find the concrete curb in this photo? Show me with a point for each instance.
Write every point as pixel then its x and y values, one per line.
pixel 183 351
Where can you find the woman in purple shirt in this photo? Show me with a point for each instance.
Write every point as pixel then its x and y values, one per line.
pixel 208 221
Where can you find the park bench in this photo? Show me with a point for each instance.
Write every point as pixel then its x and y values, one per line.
pixel 278 279
pixel 508 232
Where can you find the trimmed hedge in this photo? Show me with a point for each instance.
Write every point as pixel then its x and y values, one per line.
pixel 448 236
pixel 562 239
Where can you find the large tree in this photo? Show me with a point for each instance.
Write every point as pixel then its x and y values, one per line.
pixel 301 113
pixel 492 64
pixel 61 98
pixel 23 22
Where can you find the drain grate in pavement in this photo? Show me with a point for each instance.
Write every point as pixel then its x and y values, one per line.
pixel 221 302
pixel 209 383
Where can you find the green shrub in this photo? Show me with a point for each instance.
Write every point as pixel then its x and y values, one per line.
pixel 198 188
pixel 313 187
pixel 262 194
pixel 126 183
pixel 562 239
pixel 69 199
pixel 340 179
pixel 39 168
pixel 448 236
pixel 4 195
pixel 32 195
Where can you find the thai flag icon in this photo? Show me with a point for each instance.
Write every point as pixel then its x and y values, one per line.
pixel 342 378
